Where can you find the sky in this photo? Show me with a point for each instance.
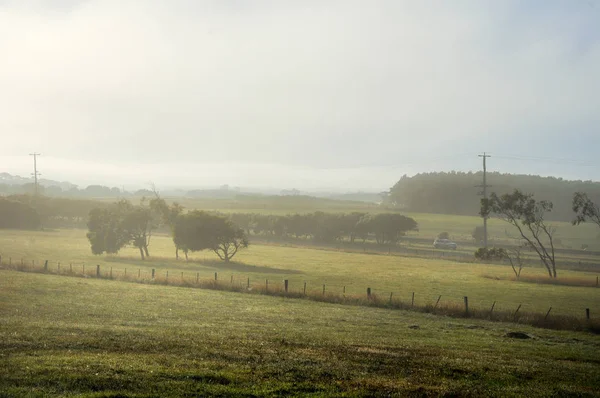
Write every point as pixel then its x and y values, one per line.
pixel 339 95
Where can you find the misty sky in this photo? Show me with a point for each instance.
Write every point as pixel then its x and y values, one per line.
pixel 309 94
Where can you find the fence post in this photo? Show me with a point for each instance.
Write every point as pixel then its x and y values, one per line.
pixel 368 292
pixel 548 313
pixel 153 270
pixel 139 272
pixel 70 268
pixel 413 300
pixel 167 277
pixel 97 270
pixel 215 276
pixel 344 290
pixel 518 308
pixel 596 279
pixel 83 269
pixel 46 266
pixel 197 277
pixel 391 297
pixel 437 302
pixel 110 272
pixel 248 283
pixel 10 263
pixel 305 288
pixel 466 305
pixel 285 282
pixel 33 263
pixel 492 309
pixel 266 285
pixel 58 266
pixel 587 314
pixel 323 289
pixel 125 273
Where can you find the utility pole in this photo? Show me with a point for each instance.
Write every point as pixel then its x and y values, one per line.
pixel 35 173
pixel 484 193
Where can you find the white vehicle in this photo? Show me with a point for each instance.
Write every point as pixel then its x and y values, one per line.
pixel 444 244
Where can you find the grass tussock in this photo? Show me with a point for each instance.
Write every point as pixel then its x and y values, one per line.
pixel 181 279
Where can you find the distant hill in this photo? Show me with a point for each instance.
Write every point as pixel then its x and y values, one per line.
pixel 8 179
pixel 457 192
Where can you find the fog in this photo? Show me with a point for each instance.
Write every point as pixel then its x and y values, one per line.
pixel 314 94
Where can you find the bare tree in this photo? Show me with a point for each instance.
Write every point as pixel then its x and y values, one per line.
pixel 527 215
pixel 513 255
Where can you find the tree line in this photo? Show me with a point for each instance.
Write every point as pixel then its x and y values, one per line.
pixel 457 192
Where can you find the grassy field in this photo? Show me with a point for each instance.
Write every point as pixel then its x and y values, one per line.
pixel 354 272
pixel 62 336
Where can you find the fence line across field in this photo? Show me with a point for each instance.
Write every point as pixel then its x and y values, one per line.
pixel 273 286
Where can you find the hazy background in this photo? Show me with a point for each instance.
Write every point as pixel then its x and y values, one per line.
pixel 342 95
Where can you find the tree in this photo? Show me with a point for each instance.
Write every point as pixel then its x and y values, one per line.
pixel 389 227
pixel 105 232
pixel 122 223
pixel 227 239
pixel 585 209
pixel 18 215
pixel 528 216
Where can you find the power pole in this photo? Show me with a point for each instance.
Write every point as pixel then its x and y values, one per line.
pixel 484 193
pixel 35 173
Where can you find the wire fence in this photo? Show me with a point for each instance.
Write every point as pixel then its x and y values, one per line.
pixel 349 294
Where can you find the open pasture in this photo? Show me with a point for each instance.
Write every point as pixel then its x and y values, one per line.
pixel 355 272
pixel 89 337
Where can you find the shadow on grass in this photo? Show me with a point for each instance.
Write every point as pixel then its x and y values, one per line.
pixel 196 264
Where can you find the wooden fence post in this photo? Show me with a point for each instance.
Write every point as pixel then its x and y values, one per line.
pixel 197 277
pixel 58 267
pixel 83 269
pixel 413 300
pixel 596 279
pixel 46 266
pixel 466 305
pixel 10 263
pixel 153 270
pixel 516 312
pixel 305 288
pixel 97 270
pixel 323 289
pixel 167 277
pixel 125 273
pixel 248 283
pixel 587 314
pixel 548 313
pixel 110 272
pixel 391 297
pixel 285 282
pixel 139 272
pixel 215 276
pixel 70 268
pixel 182 276
pixel 344 290
pixel 368 292
pixel 266 285
pixel 437 302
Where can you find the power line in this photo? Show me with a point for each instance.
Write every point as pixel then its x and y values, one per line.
pixel 35 173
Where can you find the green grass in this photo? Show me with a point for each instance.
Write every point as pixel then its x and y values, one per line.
pixel 484 284
pixel 64 336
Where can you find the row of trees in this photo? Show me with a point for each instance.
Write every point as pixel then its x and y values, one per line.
pixel 385 228
pixel 123 223
pixel 530 218
pixel 18 215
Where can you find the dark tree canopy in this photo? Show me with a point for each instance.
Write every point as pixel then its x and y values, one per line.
pixel 18 215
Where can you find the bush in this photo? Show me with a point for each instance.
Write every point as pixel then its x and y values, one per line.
pixel 491 254
pixel 443 235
